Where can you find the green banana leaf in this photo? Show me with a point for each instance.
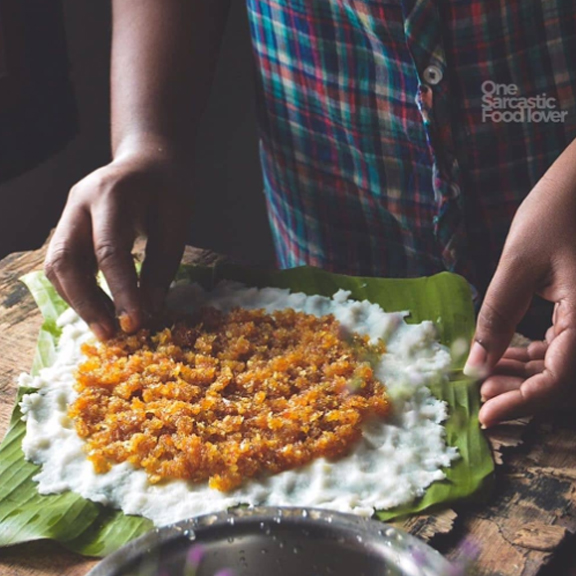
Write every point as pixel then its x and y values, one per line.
pixel 94 530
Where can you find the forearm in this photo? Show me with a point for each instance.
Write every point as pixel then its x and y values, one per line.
pixel 555 191
pixel 164 54
pixel 559 182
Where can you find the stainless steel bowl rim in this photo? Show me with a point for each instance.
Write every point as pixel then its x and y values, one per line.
pixel 362 529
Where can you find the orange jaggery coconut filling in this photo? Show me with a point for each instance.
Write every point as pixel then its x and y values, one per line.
pixel 226 396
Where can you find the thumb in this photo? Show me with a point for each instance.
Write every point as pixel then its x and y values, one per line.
pixel 505 304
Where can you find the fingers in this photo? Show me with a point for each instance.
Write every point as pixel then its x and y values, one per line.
pixel 535 351
pixel 495 386
pixel 113 238
pixel 550 385
pixel 506 406
pixel 516 365
pixel 507 300
pixel 538 393
pixel 164 249
pixel 70 267
pixel 97 231
pixel 509 375
pixel 520 354
pixel 524 370
pixel 560 359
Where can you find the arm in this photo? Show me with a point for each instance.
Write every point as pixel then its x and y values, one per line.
pixel 539 257
pixel 163 59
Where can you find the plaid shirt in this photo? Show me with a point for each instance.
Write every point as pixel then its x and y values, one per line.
pixel 377 159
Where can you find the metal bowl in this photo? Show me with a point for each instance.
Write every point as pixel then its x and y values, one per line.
pixel 276 542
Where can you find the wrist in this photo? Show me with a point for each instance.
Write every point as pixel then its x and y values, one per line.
pixel 152 146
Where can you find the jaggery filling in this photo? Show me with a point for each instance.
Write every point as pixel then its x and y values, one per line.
pixel 226 396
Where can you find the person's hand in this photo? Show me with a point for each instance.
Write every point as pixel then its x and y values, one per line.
pixel 138 193
pixel 539 257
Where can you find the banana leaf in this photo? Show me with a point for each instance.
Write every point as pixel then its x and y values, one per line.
pixel 94 530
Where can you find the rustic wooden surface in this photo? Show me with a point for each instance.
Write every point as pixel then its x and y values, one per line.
pixel 525 528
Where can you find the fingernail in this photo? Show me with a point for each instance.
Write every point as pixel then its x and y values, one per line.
pixel 483 427
pixel 101 331
pixel 127 324
pixel 476 363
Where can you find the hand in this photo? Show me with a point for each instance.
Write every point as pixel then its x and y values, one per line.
pixel 138 193
pixel 539 257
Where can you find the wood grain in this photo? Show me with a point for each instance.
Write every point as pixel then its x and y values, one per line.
pixel 530 515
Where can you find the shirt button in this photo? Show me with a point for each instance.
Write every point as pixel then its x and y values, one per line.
pixel 432 75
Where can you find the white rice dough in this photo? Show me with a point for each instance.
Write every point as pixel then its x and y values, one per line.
pixel 393 463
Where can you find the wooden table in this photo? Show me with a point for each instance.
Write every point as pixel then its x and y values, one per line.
pixel 526 529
